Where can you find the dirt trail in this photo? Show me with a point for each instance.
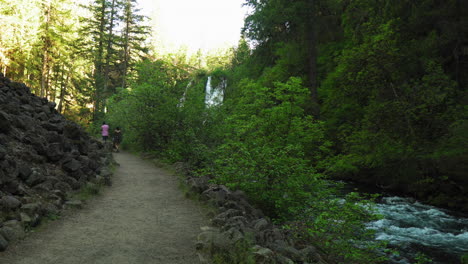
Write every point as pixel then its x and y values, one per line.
pixel 143 218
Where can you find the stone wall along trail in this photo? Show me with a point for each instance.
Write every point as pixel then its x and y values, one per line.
pixel 142 218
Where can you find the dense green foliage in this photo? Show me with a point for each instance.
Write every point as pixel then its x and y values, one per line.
pixel 373 91
pixel 74 55
pixel 363 90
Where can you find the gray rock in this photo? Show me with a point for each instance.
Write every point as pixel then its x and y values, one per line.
pixel 237 222
pixel 285 260
pixel 12 232
pixel 50 209
pixel 10 202
pixel 260 224
pixel 234 235
pixel 263 255
pixel 29 219
pixel 30 208
pixel 25 218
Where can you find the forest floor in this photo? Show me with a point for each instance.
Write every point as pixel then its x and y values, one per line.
pixel 143 218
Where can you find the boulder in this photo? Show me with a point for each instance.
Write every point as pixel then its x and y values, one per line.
pixel 10 202
pixel 71 166
pixel 260 224
pixel 263 255
pixel 16 227
pixel 35 178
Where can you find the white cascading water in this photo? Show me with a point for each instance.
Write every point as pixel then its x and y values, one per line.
pixel 184 96
pixel 214 96
pixel 412 227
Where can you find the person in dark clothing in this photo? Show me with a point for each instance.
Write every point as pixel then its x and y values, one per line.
pixel 117 138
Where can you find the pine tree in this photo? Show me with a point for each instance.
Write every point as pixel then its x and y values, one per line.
pixel 133 36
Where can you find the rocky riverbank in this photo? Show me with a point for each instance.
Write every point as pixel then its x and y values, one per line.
pixel 239 228
pixel 43 158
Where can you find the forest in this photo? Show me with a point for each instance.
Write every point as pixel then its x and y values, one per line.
pixel 316 91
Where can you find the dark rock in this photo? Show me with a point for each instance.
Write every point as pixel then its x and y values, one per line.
pixel 54 137
pixel 54 152
pixel 12 187
pixel 74 184
pixel 72 131
pixel 63 186
pixel 56 119
pixel 237 222
pixel 39 146
pixel 44 187
pixel 46 109
pixel 35 178
pixel 50 209
pixel 25 101
pixel 3 243
pixel 198 184
pixel 52 127
pixel 72 165
pixel 41 116
pixel 263 255
pixel 31 220
pixel 5 122
pixel 24 171
pixel 3 152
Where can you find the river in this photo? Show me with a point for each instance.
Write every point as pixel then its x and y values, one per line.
pixel 412 227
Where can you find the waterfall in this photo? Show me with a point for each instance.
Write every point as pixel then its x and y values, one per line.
pixel 214 96
pixel 184 96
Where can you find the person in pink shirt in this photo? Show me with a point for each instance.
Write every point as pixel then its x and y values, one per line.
pixel 105 131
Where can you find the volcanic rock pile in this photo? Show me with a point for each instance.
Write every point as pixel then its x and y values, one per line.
pixel 43 158
pixel 238 224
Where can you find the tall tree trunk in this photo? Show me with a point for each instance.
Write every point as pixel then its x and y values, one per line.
pixel 126 44
pixel 312 58
pixel 110 38
pixel 63 85
pixel 45 52
pixel 98 64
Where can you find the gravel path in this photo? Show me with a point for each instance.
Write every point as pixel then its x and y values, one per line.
pixel 143 218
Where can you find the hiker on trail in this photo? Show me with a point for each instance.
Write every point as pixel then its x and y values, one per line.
pixel 105 131
pixel 117 138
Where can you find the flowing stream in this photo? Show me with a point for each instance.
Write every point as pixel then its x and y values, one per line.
pixel 412 227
